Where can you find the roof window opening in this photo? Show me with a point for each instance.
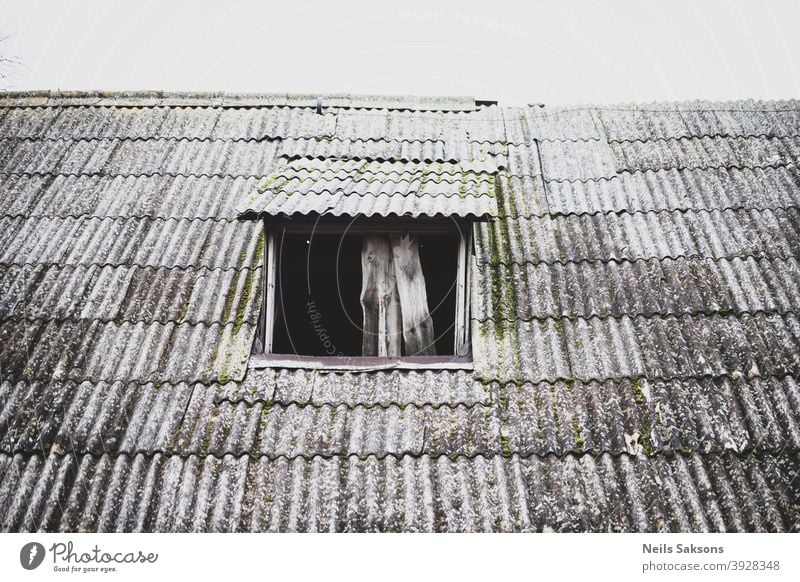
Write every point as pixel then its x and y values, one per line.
pixel 373 291
pixel 368 261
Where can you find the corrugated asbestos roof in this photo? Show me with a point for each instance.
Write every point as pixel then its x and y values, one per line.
pixel 635 319
pixel 364 188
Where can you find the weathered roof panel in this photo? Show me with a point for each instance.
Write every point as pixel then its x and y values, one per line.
pixel 133 352
pixel 716 189
pixel 381 388
pixel 156 196
pixel 196 493
pixel 635 236
pixel 114 157
pixel 654 347
pixel 142 242
pixel 353 188
pixel 526 125
pixel 627 416
pixel 130 294
pixel 628 124
pixel 474 156
pixel 648 287
pixel 705 153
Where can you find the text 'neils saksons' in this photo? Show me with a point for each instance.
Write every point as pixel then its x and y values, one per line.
pixel 681 549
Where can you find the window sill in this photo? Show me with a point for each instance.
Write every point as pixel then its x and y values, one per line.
pixel 360 363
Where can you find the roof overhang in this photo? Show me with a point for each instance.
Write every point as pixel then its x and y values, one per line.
pixel 350 188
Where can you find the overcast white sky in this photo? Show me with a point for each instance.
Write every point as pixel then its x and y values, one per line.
pixel 515 52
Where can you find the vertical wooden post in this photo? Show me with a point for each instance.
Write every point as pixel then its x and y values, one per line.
pixel 269 292
pixel 461 343
pixel 418 333
pixel 379 299
pixel 390 338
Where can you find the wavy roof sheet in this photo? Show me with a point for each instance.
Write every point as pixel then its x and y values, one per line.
pixel 364 188
pixel 635 317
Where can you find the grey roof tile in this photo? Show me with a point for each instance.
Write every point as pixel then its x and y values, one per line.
pixel 131 294
pixel 123 196
pixel 658 348
pixel 646 287
pixel 191 158
pixel 112 122
pixel 702 153
pixel 702 189
pixel 453 128
pixel 294 430
pixel 115 157
pixel 629 125
pixel 27 123
pixel 260 123
pixel 91 417
pixel 524 161
pixel 418 388
pixel 583 160
pixel 111 417
pixel 616 237
pixel 521 196
pixel 133 352
pixel 641 415
pixel 551 124
pixel 352 188
pixel 372 149
pixel 474 156
pixel 604 493
pixel 142 242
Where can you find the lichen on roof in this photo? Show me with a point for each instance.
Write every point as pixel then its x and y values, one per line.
pixel 350 187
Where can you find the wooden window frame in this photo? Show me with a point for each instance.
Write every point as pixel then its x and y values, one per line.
pixel 461 344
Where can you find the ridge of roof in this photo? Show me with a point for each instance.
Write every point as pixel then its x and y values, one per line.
pixel 154 98
pixel 234 99
pixel 733 105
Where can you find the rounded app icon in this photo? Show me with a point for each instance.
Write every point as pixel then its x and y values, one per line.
pixel 31 555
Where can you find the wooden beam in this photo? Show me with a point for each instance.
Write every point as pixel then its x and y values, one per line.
pixel 418 333
pixel 390 338
pixel 379 299
pixel 462 294
pixel 269 294
pixel 386 226
pixel 469 273
pixel 359 364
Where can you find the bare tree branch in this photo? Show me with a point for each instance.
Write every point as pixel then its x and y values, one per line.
pixel 8 63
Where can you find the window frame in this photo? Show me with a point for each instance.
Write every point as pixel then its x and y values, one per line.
pixel 309 225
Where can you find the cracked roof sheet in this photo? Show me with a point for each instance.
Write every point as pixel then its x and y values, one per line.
pixel 634 323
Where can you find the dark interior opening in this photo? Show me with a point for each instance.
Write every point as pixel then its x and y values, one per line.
pixel 439 256
pixel 317 295
pixel 318 289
